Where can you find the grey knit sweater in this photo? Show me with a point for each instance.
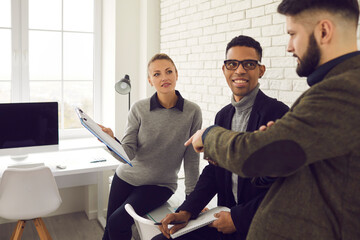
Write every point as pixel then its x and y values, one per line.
pixel 239 123
pixel 154 140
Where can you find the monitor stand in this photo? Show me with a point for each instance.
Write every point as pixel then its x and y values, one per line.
pixel 21 153
pixel 19 157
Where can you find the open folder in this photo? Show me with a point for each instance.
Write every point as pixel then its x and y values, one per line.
pixel 204 218
pixel 96 130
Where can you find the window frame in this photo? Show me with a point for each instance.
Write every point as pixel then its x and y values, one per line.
pixel 20 83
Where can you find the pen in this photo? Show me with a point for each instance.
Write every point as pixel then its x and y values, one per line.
pixel 173 223
pixel 96 161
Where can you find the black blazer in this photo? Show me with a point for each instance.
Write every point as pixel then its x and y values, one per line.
pixel 216 180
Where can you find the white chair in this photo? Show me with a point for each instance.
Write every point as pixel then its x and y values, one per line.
pixel 28 194
pixel 146 228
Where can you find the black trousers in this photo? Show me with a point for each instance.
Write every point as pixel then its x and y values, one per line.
pixel 142 198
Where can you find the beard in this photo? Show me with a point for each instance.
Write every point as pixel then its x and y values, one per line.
pixel 310 60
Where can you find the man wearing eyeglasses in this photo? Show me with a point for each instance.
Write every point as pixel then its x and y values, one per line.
pixel 249 109
pixel 315 147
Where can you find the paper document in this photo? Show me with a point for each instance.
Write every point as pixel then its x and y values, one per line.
pixel 202 220
pixel 96 130
pixel 159 213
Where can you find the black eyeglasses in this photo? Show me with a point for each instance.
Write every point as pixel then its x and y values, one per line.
pixel 246 64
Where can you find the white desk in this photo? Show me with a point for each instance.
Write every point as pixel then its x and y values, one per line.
pixel 78 172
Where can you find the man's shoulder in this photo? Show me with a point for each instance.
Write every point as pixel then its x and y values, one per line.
pixel 347 71
pixel 264 105
pixel 261 96
pixel 264 101
pixel 227 110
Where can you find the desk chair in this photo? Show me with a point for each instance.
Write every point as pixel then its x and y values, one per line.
pixel 146 228
pixel 28 194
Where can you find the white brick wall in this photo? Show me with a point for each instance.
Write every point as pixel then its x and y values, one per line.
pixel 195 33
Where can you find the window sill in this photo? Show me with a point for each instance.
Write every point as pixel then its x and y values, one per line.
pixel 79 143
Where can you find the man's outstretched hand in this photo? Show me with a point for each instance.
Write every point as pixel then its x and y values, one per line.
pixel 196 141
pixel 268 125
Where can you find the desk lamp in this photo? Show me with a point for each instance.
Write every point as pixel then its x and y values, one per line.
pixel 123 86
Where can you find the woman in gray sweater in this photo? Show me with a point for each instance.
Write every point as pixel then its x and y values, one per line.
pixel 154 139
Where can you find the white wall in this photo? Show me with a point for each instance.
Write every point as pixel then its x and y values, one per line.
pixel 137 39
pixel 195 33
pixel 149 42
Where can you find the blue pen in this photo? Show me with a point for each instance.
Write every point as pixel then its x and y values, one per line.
pixel 96 161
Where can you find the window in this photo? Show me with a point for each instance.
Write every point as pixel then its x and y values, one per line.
pixel 49 51
pixel 5 50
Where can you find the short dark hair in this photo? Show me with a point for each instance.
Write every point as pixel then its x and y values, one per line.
pixel 245 41
pixel 348 9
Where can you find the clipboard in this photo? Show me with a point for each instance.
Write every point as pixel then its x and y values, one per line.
pixel 96 130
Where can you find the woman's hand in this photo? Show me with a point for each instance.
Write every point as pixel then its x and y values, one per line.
pixel 107 130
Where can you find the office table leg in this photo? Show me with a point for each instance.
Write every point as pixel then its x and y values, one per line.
pixel 100 193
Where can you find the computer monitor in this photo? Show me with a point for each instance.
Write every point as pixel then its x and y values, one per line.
pixel 28 127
